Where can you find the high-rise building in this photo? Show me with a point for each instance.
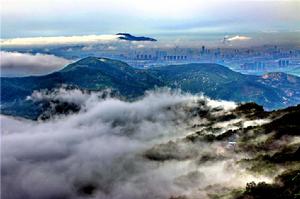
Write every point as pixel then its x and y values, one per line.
pixel 203 50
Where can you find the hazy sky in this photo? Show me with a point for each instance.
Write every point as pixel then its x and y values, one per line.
pixel 28 18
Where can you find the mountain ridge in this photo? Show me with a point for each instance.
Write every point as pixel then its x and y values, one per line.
pixel 213 80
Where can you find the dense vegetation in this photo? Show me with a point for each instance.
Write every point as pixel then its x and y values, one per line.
pixel 271 149
pixel 272 91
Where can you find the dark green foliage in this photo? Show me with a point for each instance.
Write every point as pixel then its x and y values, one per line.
pixel 288 124
pixel 251 110
pixel 286 186
pixel 167 151
pixel 198 136
pixel 284 124
pixel 287 154
pixel 87 189
pixel 58 108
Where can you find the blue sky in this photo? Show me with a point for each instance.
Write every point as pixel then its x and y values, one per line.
pixel 31 18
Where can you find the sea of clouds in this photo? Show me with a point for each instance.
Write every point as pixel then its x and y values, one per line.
pixel 99 151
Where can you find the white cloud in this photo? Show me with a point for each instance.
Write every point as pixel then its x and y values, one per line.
pixel 61 40
pixel 238 38
pixel 103 146
pixel 21 64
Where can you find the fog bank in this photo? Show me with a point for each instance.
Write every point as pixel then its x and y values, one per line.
pixel 99 152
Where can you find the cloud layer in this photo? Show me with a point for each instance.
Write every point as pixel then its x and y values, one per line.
pixel 23 64
pixel 98 152
pixel 61 40
pixel 238 38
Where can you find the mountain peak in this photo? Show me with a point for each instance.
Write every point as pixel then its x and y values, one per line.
pixel 95 63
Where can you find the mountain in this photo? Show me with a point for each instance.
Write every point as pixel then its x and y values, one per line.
pixel 272 90
pixel 129 37
pixel 90 73
pixel 196 147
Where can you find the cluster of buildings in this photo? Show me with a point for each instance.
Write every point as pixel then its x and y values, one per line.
pixel 164 57
pixel 245 60
pixel 254 60
pixel 268 59
pixel 268 64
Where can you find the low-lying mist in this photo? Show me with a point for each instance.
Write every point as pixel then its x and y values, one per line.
pixel 103 150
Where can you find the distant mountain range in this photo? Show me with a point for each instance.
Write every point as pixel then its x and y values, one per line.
pixel 274 90
pixel 129 37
